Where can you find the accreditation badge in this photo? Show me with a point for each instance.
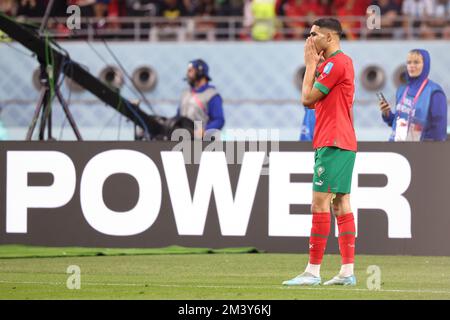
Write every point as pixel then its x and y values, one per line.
pixel 414 132
pixel 401 129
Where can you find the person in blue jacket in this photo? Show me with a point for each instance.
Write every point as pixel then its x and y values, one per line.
pixel 202 102
pixel 309 122
pixel 421 104
pixel 309 119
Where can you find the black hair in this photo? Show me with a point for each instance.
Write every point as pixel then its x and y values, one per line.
pixel 329 23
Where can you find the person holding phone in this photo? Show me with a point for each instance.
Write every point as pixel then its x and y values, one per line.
pixel 421 104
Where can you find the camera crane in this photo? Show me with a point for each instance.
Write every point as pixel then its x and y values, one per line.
pixel 154 127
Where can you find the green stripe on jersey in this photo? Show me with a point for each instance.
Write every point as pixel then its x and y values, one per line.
pixel 321 87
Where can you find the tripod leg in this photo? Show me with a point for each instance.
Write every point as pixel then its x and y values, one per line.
pixel 49 126
pixel 69 115
pixel 46 115
pixel 36 113
pixel 43 119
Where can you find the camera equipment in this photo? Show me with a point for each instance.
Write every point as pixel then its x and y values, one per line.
pixel 153 126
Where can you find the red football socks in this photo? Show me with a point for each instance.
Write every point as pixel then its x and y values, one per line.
pixel 347 232
pixel 319 235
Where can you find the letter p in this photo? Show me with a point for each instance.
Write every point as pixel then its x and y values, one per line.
pixel 20 196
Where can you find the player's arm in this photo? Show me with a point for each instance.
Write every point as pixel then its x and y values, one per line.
pixel 310 94
pixel 330 77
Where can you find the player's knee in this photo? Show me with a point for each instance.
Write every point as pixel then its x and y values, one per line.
pixel 336 209
pixel 341 209
pixel 320 207
pixel 338 213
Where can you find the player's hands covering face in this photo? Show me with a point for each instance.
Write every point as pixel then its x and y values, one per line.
pixel 312 58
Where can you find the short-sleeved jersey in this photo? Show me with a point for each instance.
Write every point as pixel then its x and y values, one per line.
pixel 334 112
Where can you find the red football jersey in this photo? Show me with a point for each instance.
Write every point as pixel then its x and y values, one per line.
pixel 334 112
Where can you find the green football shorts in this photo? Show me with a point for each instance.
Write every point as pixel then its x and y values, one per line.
pixel 333 168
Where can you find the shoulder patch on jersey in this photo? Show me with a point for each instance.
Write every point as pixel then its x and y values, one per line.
pixel 328 68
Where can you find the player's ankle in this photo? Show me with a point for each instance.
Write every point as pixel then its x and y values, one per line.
pixel 314 269
pixel 346 270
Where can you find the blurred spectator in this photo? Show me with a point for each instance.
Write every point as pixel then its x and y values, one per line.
pixel 191 6
pixel 426 31
pixel 30 8
pixel 101 8
pixel 9 7
pixel 256 19
pixel 346 8
pixel 200 9
pixel 59 9
pixel 247 20
pixel 86 7
pixel 442 9
pixel 230 8
pixel 309 10
pixel 390 13
pixel 112 9
pixel 415 11
pixel 446 32
pixel 441 15
pixel 141 8
pixel 172 9
pixel 326 6
pixel 264 22
pixel 171 29
pixel 37 8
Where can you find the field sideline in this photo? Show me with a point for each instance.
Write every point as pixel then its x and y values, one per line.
pixel 217 276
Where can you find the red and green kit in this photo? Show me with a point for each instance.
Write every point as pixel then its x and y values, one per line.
pixel 334 135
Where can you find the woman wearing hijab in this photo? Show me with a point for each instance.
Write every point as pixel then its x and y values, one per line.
pixel 421 105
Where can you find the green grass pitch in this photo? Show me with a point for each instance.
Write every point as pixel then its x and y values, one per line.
pixel 217 276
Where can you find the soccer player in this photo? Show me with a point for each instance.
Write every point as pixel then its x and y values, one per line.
pixel 334 142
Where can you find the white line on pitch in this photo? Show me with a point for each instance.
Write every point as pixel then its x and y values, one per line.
pixel 226 287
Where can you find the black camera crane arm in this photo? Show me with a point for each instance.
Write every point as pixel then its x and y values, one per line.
pixel 152 125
